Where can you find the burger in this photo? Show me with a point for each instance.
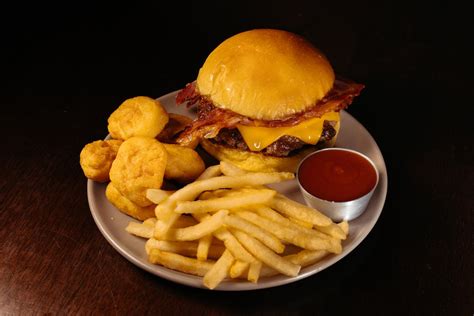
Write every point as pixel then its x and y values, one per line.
pixel 265 99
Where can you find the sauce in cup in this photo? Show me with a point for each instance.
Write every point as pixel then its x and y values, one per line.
pixel 337 175
pixel 339 182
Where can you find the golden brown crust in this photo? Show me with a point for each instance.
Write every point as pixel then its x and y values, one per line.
pixel 126 206
pixel 138 116
pixel 96 159
pixel 265 74
pixel 184 164
pixel 140 165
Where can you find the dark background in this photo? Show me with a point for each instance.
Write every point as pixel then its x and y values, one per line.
pixel 65 68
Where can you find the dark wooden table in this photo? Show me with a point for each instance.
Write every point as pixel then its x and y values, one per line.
pixel 65 69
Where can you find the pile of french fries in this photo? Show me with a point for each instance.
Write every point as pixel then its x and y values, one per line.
pixel 227 224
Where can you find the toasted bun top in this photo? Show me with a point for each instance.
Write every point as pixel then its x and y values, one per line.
pixel 265 74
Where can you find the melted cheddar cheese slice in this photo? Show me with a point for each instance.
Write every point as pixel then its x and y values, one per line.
pixel 309 131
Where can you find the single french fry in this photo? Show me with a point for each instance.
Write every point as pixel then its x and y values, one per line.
pixel 264 236
pixel 246 198
pixel 207 195
pixel 254 271
pixel 267 256
pixel 157 196
pixel 218 271
pixel 185 248
pixel 332 230
pixel 228 192
pixel 180 263
pixel 234 246
pixel 299 211
pixel 203 247
pixel 150 222
pixel 230 169
pixel 210 172
pixel 269 213
pixel 140 229
pixel 307 257
pixel 238 269
pixel 345 227
pixel 200 230
pixel 303 258
pixel 301 223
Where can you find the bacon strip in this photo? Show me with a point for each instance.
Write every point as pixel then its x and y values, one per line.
pixel 188 94
pixel 212 119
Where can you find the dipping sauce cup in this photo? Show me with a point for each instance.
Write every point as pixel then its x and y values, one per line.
pixel 338 182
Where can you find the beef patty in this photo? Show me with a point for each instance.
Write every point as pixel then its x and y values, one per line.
pixel 283 147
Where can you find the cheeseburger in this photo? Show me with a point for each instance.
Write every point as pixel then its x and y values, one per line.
pixel 265 99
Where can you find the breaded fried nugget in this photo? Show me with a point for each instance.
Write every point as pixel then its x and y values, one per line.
pixel 126 206
pixel 184 164
pixel 176 124
pixel 140 165
pixel 139 116
pixel 96 158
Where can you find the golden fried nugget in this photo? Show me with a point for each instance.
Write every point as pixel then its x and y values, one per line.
pixel 140 165
pixel 176 124
pixel 184 164
pixel 139 116
pixel 126 206
pixel 96 159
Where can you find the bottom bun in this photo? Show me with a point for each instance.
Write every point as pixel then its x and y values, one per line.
pixel 252 161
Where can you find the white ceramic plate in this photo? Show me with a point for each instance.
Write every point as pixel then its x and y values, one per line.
pixel 112 223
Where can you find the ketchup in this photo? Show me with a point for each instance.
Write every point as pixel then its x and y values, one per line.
pixel 337 175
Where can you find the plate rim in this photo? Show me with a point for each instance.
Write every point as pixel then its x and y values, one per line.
pixel 233 285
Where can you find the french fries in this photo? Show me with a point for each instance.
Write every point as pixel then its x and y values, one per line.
pixel 140 229
pixel 206 227
pixel 210 172
pixel 267 256
pixel 219 270
pixel 286 234
pixel 332 230
pixel 231 243
pixel 227 224
pixel 303 258
pixel 244 199
pixel 185 248
pixel 203 247
pixel 192 190
pixel 254 271
pixel 157 196
pixel 229 169
pixel 165 211
pixel 299 211
pixel 238 269
pixel 264 236
pixel 179 262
